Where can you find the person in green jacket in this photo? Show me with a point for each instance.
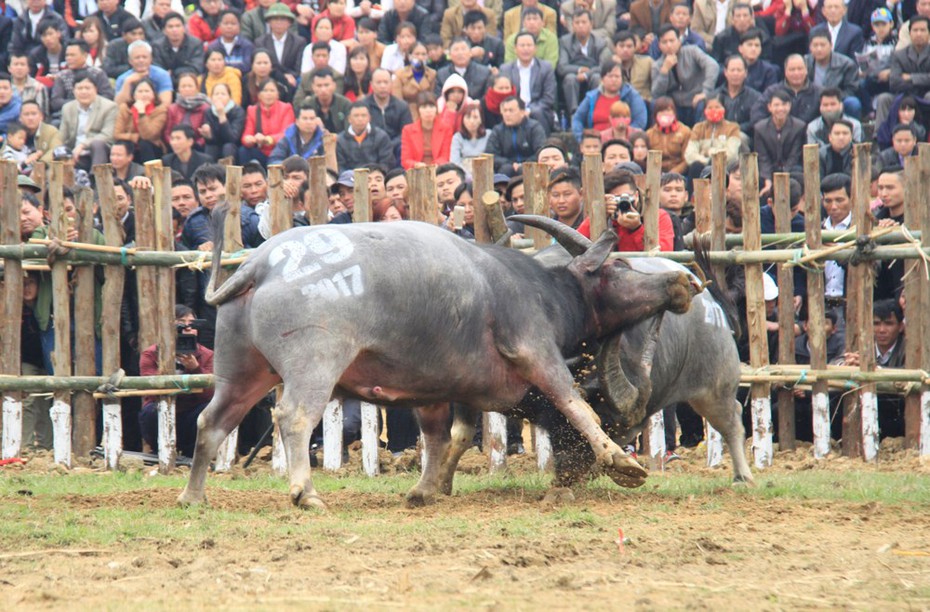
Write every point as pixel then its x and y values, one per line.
pixel 547 43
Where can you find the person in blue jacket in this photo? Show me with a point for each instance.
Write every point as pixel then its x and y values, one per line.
pixel 594 110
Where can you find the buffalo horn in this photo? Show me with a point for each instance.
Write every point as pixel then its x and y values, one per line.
pixel 615 386
pixel 570 239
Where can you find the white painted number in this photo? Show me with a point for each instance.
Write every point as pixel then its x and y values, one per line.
pixel 325 245
pixel 345 283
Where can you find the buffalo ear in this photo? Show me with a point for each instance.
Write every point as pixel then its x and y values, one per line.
pixel 592 259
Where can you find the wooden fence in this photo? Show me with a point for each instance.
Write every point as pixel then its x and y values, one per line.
pixel 74 411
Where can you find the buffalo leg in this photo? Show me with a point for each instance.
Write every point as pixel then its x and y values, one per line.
pixel 434 427
pixel 232 399
pixel 724 413
pixel 297 414
pixel 463 436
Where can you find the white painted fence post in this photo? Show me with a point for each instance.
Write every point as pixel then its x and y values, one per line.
pixel 925 423
pixel 714 443
pixel 167 435
pixel 12 427
pixel 60 413
pixel 332 436
pixel 278 456
pixel 543 448
pixel 820 407
pixel 226 454
pixel 497 441
pixel 762 431
pixel 369 438
pixel 112 433
pixel 657 440
pixel 868 404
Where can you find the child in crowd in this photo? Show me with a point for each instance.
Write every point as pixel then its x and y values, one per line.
pixel 15 148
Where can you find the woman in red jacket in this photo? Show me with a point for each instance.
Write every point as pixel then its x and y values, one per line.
pixel 189 107
pixel 426 140
pixel 204 24
pixel 265 123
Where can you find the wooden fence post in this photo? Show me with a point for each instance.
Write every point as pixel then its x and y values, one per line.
pixel 84 432
pixel 862 217
pixel 331 162
pixel 363 206
pixel 718 207
pixel 164 241
pixel 61 307
pixel 782 209
pixel 816 336
pixel 318 211
pixel 654 432
pixel 922 312
pixel 11 311
pixel 595 209
pixel 497 223
pixel 281 221
pixel 421 194
pixel 39 174
pixel 713 440
pixel 146 276
pixel 483 182
pixel 913 298
pixel 536 200
pixel 112 301
pixel 760 402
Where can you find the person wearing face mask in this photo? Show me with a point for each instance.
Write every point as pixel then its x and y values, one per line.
pixel 594 112
pixel 619 123
pixel 410 80
pixel 669 136
pixel 711 135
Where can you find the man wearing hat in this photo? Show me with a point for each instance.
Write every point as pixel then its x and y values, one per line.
pixel 344 189
pixel 286 48
pixel 876 56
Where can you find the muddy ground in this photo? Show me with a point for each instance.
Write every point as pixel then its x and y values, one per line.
pixel 496 548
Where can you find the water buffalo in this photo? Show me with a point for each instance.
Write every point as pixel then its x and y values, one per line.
pixel 670 358
pixel 408 314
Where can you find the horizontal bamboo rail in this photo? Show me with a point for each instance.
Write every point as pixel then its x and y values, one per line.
pixel 38 384
pixel 736 240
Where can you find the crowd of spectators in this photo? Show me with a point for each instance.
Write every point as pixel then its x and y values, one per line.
pixel 407 83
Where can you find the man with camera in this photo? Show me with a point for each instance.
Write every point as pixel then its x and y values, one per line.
pixel 624 213
pixel 190 358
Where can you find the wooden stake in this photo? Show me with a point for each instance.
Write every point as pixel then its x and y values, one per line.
pixel 232 225
pixel 164 241
pixel 755 308
pixel 363 206
pixel 497 223
pixel 922 311
pixel 318 211
pixel 146 276
pixel 536 200
pixel 11 311
pixel 61 307
pixel 329 152
pixel 332 436
pixel 654 432
pixel 820 403
pixel 592 176
pixel 39 171
pixel 718 205
pixel 863 423
pixel 782 208
pixel 483 180
pixel 84 434
pixel 280 206
pixel 422 194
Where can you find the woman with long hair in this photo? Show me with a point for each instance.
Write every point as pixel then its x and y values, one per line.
pixel 262 69
pixel 640 144
pixel 223 124
pixel 357 82
pixel 265 123
pixel 91 31
pixel 397 54
pixel 387 209
pixel 410 80
pixel 427 140
pixel 189 108
pixel 141 122
pixel 472 139
pixel 501 88
pixel 906 111
pixel 216 71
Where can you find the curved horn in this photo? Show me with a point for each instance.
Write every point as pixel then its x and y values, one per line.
pixel 615 386
pixel 570 239
pixel 505 239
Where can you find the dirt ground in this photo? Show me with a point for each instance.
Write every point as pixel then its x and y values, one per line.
pixel 723 550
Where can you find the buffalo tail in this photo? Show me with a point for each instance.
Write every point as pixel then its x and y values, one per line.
pixel 717 291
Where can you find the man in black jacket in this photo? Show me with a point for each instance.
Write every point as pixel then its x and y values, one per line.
pixel 738 98
pixel 476 75
pixel 516 139
pixel 178 51
pixel 113 17
pixel 485 49
pixel 406 10
pixel 25 36
pixel 804 95
pixel 116 61
pixel 388 112
pixel 362 143
pixel 184 159
pixel 779 139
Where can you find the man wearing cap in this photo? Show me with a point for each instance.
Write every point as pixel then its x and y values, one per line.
pixel 116 61
pixel 286 48
pixel 876 56
pixel 344 189
pixel 847 38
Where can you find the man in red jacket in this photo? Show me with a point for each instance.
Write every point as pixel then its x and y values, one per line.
pixel 188 406
pixel 624 212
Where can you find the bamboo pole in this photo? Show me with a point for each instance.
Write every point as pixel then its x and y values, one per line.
pixel 112 300
pixel 165 336
pixel 51 384
pixel 894 236
pixel 536 199
pixel 363 206
pixel 11 312
pixel 422 194
pixel 702 225
pixel 820 404
pixel 61 307
pixel 84 432
pixel 786 422
pixel 913 297
pixel 483 181
pixel 654 432
pixel 922 311
pixel 863 423
pixel 318 212
pixel 592 176
pixel 760 393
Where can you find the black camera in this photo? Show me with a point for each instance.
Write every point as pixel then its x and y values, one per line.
pixel 624 204
pixel 184 343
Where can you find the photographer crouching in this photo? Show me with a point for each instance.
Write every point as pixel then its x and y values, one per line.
pixel 190 358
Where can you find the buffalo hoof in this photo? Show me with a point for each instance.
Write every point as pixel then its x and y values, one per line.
pixel 744 483
pixel 306 500
pixel 559 496
pixel 418 499
pixel 623 469
pixel 188 499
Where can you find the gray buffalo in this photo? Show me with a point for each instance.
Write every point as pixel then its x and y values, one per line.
pixel 669 358
pixel 408 314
